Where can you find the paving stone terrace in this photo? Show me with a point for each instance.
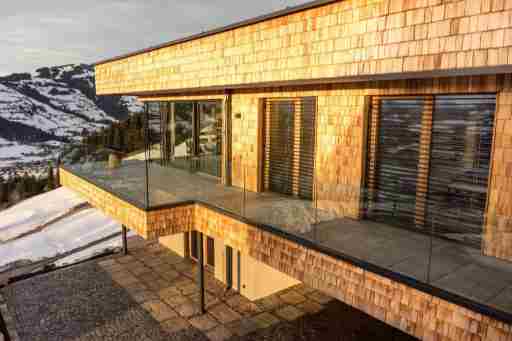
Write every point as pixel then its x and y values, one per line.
pixel 444 264
pixel 152 294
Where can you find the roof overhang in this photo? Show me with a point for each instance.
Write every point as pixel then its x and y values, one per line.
pixel 466 72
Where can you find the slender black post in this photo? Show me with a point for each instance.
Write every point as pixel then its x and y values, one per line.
pixel 147 152
pixel 201 272
pixel 125 241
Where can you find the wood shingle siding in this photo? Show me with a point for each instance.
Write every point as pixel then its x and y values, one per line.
pixel 344 38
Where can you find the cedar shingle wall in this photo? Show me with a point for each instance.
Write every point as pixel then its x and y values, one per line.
pixel 498 234
pixel 346 38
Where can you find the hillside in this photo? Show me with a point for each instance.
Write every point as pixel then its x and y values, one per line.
pixel 42 111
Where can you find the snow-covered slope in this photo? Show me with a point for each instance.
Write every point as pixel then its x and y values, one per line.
pixel 37 211
pixel 67 234
pixel 66 113
pixel 52 224
pixel 53 105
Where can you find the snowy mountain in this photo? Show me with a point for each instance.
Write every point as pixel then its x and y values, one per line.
pixel 42 111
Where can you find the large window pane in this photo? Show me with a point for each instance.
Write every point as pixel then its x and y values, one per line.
pixel 399 129
pixel 210 137
pixel 183 117
pixel 459 166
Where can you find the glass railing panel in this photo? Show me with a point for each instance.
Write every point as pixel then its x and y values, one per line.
pixel 474 264
pixel 112 170
pixel 197 179
pixel 275 206
pixel 368 225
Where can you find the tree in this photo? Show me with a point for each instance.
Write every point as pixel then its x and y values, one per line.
pixel 3 191
pixel 50 184
pixel 26 185
pixel 15 193
pixel 7 189
pixel 21 189
pixel 117 138
pixel 57 176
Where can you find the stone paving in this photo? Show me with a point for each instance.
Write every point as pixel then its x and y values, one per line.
pixel 151 294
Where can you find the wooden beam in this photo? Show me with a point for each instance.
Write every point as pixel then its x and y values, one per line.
pixel 424 162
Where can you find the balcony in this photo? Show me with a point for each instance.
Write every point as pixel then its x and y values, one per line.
pixel 440 266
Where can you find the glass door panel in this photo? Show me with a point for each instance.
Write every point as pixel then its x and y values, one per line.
pixel 210 137
pixel 184 136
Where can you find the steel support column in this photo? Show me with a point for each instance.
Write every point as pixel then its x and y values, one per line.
pixel 201 271
pixel 125 240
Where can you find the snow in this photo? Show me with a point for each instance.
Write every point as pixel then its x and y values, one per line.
pixel 93 250
pixel 16 107
pixel 67 232
pixel 132 104
pixel 12 152
pixel 37 211
pixel 70 100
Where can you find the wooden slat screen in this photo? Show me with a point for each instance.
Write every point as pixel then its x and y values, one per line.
pixel 289 146
pixel 393 167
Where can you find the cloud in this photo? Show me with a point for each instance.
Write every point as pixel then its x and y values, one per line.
pixel 57 20
pixel 55 32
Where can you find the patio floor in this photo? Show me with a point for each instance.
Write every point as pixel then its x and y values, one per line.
pixel 151 294
pixel 441 263
pixel 445 264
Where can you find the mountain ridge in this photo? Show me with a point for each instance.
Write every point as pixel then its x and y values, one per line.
pixel 40 112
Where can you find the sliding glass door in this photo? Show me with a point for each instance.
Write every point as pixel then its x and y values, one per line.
pixel 197 135
pixel 210 137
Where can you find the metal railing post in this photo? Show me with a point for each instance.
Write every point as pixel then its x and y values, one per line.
pixel 201 272
pixel 125 240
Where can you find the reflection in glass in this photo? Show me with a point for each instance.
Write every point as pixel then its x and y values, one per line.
pixel 459 166
pixel 183 118
pixel 210 137
pixel 394 198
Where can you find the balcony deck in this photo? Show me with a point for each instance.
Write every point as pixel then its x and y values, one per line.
pixel 442 268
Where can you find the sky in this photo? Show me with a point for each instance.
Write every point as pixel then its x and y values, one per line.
pixel 56 32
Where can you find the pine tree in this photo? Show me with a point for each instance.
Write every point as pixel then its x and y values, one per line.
pixel 33 185
pixel 116 139
pixel 26 185
pixel 50 184
pixel 57 176
pixel 8 187
pixel 3 191
pixel 17 193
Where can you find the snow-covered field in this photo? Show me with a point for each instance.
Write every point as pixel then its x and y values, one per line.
pixel 71 226
pixel 11 152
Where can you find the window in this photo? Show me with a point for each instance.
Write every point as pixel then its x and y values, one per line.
pixel 289 146
pixel 210 251
pixel 192 136
pixel 194 251
pixel 428 163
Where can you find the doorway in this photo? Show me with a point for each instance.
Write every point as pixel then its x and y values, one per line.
pixel 208 249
